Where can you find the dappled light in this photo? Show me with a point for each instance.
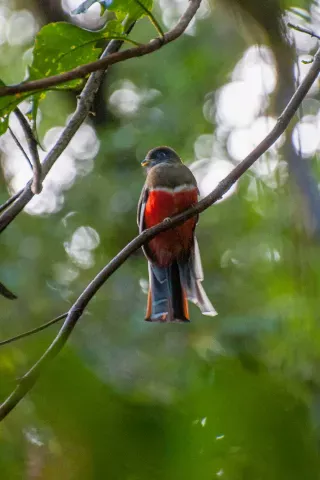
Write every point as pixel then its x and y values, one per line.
pixel 83 241
pixel 21 27
pixel 76 160
pixel 305 136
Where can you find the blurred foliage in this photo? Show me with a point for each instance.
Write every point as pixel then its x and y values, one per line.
pixel 234 397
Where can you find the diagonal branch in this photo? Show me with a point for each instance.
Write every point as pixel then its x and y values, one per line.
pixel 304 30
pixel 83 108
pixel 10 200
pixel 17 142
pixel 36 185
pixel 103 63
pixel 29 379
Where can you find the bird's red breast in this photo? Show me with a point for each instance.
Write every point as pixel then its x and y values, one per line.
pixel 165 202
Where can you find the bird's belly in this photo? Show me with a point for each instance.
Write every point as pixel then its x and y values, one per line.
pixel 172 244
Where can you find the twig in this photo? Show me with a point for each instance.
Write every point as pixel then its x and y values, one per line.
pixel 152 18
pixel 80 304
pixel 103 63
pixel 83 108
pixel 34 330
pixel 10 200
pixel 15 138
pixel 36 185
pixel 303 30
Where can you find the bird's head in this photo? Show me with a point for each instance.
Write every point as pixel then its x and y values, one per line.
pixel 160 155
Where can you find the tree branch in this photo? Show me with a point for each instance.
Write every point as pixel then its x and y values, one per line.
pixel 34 330
pixel 83 108
pixel 303 30
pixel 10 200
pixel 103 63
pixel 80 304
pixel 36 186
pixel 22 150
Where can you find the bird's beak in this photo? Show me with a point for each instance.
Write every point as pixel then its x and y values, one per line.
pixel 145 163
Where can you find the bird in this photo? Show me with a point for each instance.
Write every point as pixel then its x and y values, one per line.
pixel 174 263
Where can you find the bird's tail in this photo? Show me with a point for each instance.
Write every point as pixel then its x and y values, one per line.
pixel 167 301
pixel 191 276
pixel 171 287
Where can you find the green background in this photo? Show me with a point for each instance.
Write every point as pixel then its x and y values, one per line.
pixel 235 396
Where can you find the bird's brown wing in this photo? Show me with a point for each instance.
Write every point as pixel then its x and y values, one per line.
pixel 140 219
pixel 141 208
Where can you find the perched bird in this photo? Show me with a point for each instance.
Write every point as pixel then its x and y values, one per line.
pixel 175 271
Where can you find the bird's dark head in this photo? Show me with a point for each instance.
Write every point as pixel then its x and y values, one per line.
pixel 160 155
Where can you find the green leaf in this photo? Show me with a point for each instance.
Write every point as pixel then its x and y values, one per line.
pixel 60 47
pixel 130 8
pixel 7 104
pixel 4 123
pixel 121 7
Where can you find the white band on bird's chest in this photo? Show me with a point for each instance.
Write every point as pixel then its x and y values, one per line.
pixel 186 187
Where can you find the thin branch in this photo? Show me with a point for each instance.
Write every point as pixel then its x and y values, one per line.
pixel 80 304
pixel 303 30
pixel 103 63
pixel 36 185
pixel 10 200
pixel 17 142
pixel 152 18
pixel 34 330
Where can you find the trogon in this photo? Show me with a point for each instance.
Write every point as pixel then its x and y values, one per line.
pixel 175 271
